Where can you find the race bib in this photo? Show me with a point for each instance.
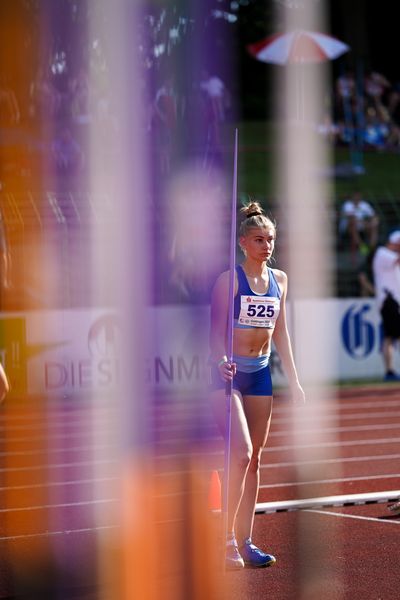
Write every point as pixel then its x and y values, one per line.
pixel 259 311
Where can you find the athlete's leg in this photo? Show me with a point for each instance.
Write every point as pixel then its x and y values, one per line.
pixel 258 410
pixel 240 448
pixel 387 353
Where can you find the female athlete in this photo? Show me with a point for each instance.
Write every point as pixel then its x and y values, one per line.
pixel 259 318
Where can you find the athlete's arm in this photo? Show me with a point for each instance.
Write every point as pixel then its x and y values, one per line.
pixel 283 344
pixel 218 326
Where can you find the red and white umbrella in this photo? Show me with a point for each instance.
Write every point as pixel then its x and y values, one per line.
pixel 298 47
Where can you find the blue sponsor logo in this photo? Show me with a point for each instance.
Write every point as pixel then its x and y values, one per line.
pixel 358 333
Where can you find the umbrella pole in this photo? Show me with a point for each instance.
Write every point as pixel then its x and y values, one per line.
pixel 229 351
pixel 350 125
pixel 359 166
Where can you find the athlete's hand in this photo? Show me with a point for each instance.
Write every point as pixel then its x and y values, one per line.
pixel 298 395
pixel 227 370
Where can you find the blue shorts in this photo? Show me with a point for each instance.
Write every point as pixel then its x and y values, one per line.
pixel 257 383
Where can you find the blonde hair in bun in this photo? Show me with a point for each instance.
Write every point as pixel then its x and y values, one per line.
pixel 252 215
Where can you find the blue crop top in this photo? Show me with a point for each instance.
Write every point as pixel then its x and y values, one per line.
pixel 251 309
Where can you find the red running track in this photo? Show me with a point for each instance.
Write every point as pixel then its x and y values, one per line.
pixel 342 553
pixel 331 553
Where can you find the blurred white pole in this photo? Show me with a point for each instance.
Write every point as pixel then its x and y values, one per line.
pixel 305 197
pixel 121 259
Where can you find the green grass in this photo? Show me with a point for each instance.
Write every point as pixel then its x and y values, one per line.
pixel 257 166
pixel 382 174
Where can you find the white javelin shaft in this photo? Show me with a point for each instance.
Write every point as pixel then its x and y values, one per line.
pixel 229 348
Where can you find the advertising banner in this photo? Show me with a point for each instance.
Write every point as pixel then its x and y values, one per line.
pixel 73 351
pixel 59 352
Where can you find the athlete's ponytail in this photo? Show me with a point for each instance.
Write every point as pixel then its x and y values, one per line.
pixel 252 215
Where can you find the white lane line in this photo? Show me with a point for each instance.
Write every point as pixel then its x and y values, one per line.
pixel 50 437
pixel 78 463
pixel 320 430
pixel 289 434
pixel 49 484
pixel 64 449
pixel 332 461
pixel 283 408
pixel 78 417
pixel 295 484
pixel 338 480
pixel 62 505
pixel 48 416
pixel 328 501
pixel 338 417
pixel 346 516
pixel 64 411
pixel 7 538
pixel 49 425
pixel 189 425
pixel 65 423
pixel 174 472
pixel 347 443
pixel 327 461
pixel 343 406
pixel 271 449
pixel 62 419
pixel 84 434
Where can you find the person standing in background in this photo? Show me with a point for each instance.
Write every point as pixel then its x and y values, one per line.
pixel 365 276
pixel 386 271
pixel 359 223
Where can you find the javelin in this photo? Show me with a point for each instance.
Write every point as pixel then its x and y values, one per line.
pixel 229 346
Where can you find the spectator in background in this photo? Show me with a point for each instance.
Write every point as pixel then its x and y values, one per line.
pixel 376 132
pixel 376 85
pixel 393 102
pixel 328 129
pixel 345 91
pixel 345 132
pixel 386 272
pixel 359 223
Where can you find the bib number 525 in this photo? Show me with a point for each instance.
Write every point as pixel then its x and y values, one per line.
pixel 260 310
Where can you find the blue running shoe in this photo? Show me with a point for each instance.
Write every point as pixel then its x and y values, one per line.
pixel 233 560
pixel 391 376
pixel 254 557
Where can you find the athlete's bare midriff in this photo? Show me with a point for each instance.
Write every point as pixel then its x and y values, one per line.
pixel 252 342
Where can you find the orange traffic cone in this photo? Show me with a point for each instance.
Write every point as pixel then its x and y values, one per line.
pixel 214 492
